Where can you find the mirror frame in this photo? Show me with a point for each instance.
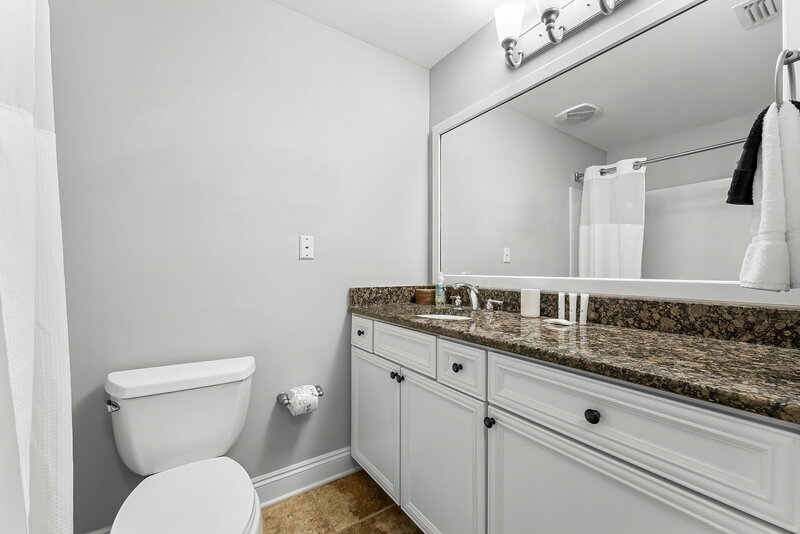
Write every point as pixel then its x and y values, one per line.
pixel 576 53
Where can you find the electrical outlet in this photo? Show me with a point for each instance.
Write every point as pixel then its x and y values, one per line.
pixel 306 247
pixel 507 255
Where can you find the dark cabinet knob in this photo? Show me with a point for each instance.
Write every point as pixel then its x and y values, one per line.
pixel 399 378
pixel 593 416
pixel 457 367
pixel 488 422
pixel 360 332
pixel 393 375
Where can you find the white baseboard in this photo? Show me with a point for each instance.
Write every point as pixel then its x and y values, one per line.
pixel 303 476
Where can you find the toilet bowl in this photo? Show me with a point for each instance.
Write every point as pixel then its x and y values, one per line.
pixel 212 496
pixel 175 423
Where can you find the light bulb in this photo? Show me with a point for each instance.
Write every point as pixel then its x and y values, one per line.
pixel 508 19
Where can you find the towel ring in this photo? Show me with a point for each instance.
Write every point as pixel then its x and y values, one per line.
pixel 787 58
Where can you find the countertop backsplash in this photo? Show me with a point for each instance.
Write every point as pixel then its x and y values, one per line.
pixel 779 327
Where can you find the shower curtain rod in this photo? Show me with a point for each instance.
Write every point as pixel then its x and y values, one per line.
pixel 578 176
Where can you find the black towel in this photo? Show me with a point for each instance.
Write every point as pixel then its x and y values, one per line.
pixel 741 191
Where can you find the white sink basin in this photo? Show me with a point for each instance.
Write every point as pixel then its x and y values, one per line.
pixel 444 317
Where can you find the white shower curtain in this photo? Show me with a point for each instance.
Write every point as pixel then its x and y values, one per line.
pixel 611 231
pixel 35 404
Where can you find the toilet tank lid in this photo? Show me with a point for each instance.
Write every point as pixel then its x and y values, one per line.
pixel 170 378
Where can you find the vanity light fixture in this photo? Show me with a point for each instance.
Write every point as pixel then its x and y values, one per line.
pixel 508 22
pixel 549 10
pixel 509 15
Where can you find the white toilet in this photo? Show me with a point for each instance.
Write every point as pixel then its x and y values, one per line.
pixel 175 423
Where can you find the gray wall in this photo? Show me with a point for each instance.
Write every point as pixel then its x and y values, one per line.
pixel 197 139
pixel 505 183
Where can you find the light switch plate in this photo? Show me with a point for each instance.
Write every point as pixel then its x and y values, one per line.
pixel 306 247
pixel 507 255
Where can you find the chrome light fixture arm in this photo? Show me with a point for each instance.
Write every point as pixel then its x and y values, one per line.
pixel 514 57
pixel 549 19
pixel 509 27
pixel 607 6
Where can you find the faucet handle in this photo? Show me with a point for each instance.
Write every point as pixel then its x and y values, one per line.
pixel 490 304
pixel 456 300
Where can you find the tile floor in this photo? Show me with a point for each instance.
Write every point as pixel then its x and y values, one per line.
pixel 354 504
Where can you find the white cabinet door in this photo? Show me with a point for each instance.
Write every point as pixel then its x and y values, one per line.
pixel 443 452
pixel 750 466
pixel 375 423
pixel 542 483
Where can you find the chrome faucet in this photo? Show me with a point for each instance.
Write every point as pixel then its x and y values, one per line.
pixel 491 303
pixel 473 293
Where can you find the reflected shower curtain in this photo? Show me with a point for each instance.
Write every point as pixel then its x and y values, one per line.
pixel 611 231
pixel 35 404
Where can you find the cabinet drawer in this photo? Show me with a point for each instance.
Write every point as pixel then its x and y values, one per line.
pixel 361 333
pixel 747 465
pixel 462 367
pixel 540 481
pixel 410 349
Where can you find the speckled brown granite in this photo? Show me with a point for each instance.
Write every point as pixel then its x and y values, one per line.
pixel 760 379
pixel 762 325
pixel 751 324
pixel 365 296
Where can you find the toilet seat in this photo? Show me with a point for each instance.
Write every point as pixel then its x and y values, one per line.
pixel 212 496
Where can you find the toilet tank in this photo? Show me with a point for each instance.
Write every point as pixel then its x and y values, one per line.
pixel 177 414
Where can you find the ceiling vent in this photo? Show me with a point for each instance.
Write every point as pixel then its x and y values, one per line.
pixel 753 13
pixel 579 113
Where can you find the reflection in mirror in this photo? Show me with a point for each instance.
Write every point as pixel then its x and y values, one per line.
pixel 507 176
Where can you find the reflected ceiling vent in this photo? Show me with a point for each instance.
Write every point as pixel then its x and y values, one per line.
pixel 579 113
pixel 753 13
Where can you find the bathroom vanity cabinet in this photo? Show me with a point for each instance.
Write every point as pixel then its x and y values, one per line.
pixel 468 440
pixel 423 442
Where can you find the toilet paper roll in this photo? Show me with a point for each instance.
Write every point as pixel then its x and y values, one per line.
pixel 530 300
pixel 302 399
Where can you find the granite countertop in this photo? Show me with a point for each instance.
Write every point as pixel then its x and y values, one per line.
pixel 760 379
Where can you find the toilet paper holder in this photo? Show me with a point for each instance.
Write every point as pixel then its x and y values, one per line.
pixel 283 398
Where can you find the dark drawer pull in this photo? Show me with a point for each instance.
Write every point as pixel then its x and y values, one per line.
pixel 457 367
pixel 488 422
pixel 592 416
pixel 360 332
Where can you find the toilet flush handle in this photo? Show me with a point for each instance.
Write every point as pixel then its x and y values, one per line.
pixel 112 406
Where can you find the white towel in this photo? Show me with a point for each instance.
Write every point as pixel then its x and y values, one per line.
pixel 766 262
pixel 790 145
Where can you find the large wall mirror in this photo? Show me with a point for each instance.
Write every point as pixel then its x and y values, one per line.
pixel 547 184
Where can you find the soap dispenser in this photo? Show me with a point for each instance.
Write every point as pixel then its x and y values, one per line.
pixel 439 293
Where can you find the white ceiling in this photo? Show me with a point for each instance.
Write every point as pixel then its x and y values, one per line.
pixel 699 68
pixel 422 31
